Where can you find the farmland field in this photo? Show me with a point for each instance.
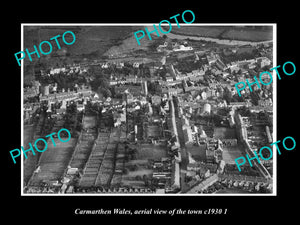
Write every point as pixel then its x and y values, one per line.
pixel 202 31
pixel 259 33
pixel 91 42
pixel 54 161
pixel 89 122
pixel 31 161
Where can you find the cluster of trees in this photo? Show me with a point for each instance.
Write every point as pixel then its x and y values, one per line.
pixel 161 72
pixel 63 80
pixel 130 154
pixel 154 88
pixel 187 66
pixel 99 81
pixel 246 54
pixel 98 78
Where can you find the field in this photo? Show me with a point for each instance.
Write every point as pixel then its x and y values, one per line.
pixel 224 133
pixel 32 160
pixel 198 152
pixel 226 32
pixel 28 134
pixel 129 45
pixel 136 170
pixel 248 35
pixel 54 161
pixel 89 122
pixel 91 42
pixel 139 167
pixel 202 31
pixel 150 151
pixel 230 153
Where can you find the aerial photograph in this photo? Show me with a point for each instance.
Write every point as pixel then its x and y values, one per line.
pixel 153 116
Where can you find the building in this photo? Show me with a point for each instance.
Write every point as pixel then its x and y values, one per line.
pixel 214 150
pixel 187 134
pixel 29 93
pixel 135 90
pixel 265 102
pixel 263 61
pixel 156 99
pixel 45 90
pixel 211 58
pixel 206 109
pixel 145 87
pixel 204 184
pixel 182 48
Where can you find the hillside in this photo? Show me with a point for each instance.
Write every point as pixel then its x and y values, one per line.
pixel 241 33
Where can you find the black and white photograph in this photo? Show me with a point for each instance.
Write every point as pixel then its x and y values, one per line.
pixel 161 116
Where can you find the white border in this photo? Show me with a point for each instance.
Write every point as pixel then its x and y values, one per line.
pixel 274 25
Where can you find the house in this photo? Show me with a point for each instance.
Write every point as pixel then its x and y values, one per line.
pixel 169 78
pixel 156 99
pixel 211 58
pixel 80 107
pixel 200 168
pixel 187 134
pixel 104 65
pixel 265 102
pixel 214 150
pixel 171 91
pixel 182 48
pixel 204 95
pixel 136 65
pixel 120 65
pixel 57 70
pixel 30 92
pixel 162 47
pixel 263 61
pixel 233 67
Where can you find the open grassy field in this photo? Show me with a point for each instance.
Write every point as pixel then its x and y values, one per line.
pixel 54 161
pixel 224 133
pixel 31 161
pixel 248 35
pixel 198 152
pixel 150 151
pixel 91 42
pixel 258 33
pixel 230 153
pixel 141 169
pixel 141 165
pixel 203 31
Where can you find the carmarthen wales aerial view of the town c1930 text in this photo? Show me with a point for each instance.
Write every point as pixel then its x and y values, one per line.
pixel 158 115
